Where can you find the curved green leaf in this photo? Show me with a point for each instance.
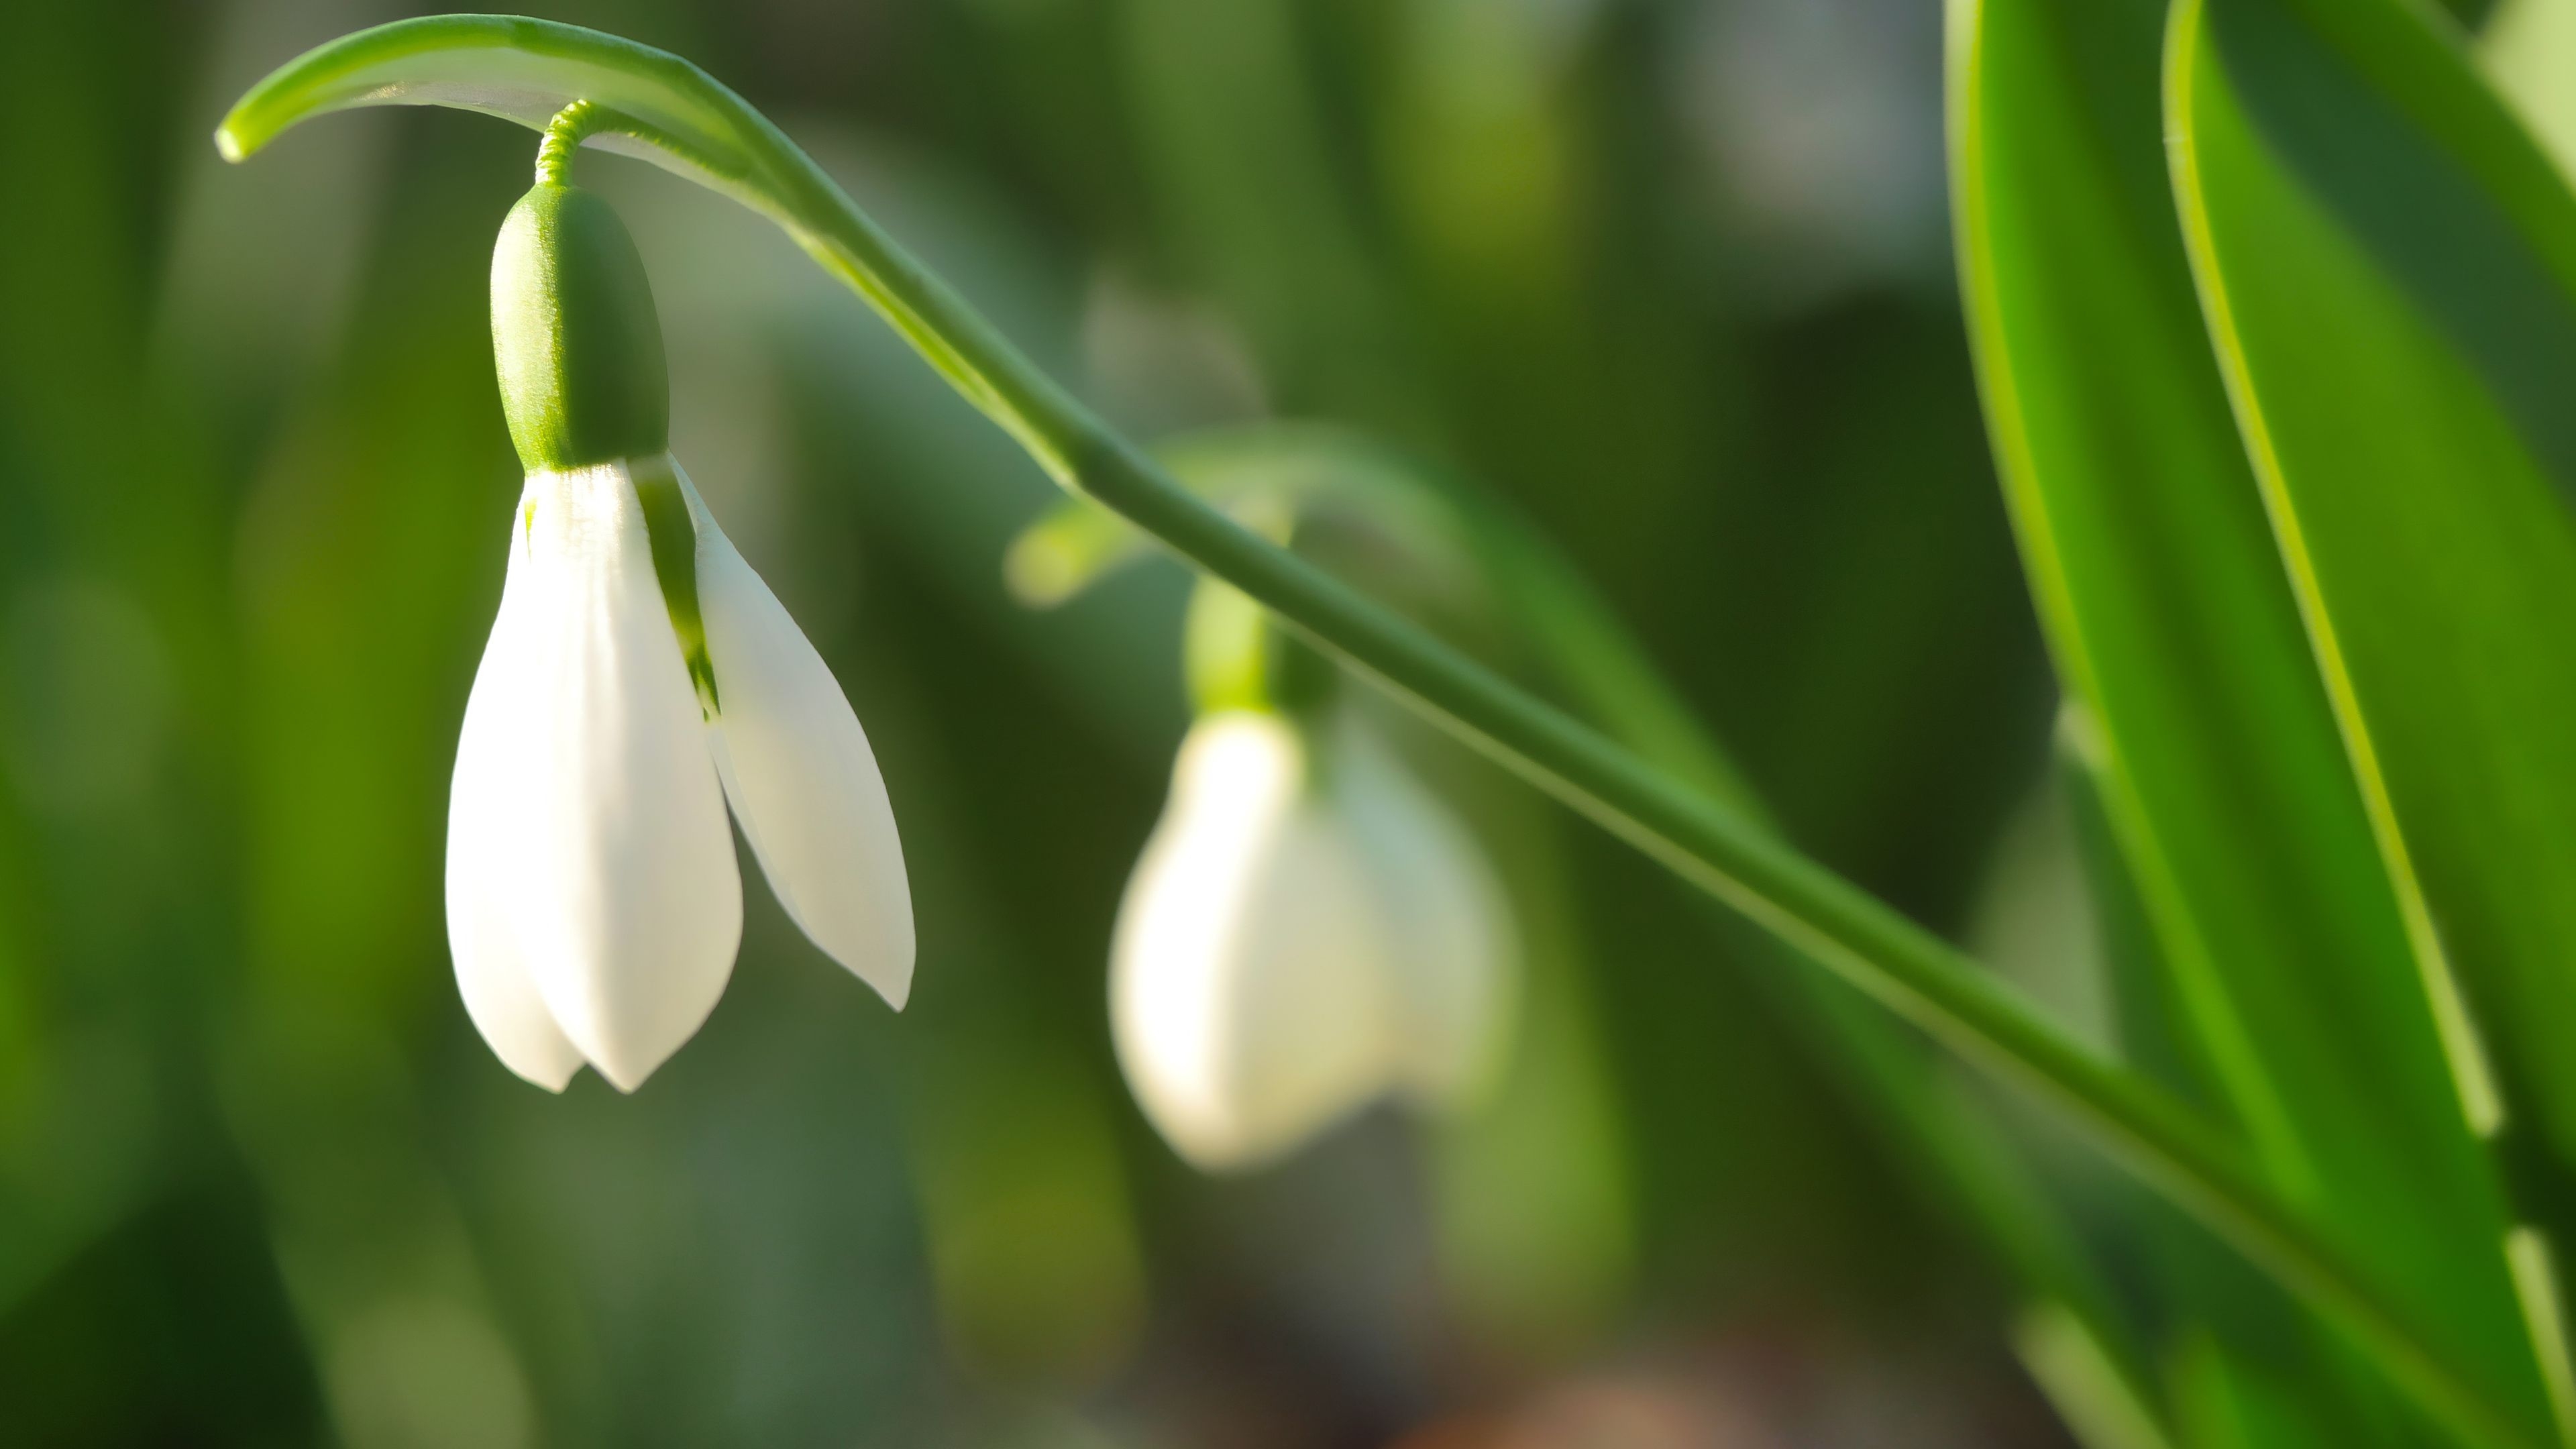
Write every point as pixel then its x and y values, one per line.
pixel 2219 770
pixel 2388 268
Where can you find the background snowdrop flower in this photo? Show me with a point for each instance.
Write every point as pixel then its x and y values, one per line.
pixel 1308 929
pixel 639 676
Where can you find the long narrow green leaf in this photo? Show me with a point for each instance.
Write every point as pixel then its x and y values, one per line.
pixel 2220 771
pixel 1732 858
pixel 2202 1302
pixel 2388 267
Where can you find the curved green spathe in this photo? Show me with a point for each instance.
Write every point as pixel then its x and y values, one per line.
pixel 652 104
pixel 520 70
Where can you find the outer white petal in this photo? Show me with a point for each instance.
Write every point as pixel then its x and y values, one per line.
pixel 1248 972
pixel 1454 951
pixel 629 908
pixel 482 876
pixel 800 774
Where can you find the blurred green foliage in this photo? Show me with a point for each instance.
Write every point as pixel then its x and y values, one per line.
pixel 1667 275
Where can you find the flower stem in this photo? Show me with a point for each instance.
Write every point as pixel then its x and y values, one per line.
pixel 564 135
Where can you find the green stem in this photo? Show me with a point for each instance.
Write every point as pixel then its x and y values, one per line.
pixel 1610 674
pixel 564 135
pixel 1877 950
pixel 1905 967
pixel 712 134
pixel 1523 583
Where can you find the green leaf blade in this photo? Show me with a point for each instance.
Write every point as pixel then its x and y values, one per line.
pixel 2425 531
pixel 2221 768
pixel 2388 268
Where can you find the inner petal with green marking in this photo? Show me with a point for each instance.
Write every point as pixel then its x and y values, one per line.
pixel 675 564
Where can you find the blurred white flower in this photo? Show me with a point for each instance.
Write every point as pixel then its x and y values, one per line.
pixel 593 904
pixel 1307 930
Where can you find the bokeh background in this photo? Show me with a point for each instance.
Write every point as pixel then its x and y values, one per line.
pixel 1670 275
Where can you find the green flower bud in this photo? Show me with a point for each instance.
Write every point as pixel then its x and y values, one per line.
pixel 574 335
pixel 1235 658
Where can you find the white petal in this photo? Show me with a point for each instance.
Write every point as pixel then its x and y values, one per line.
pixel 800 774
pixel 491 974
pixel 1454 952
pixel 1248 970
pixel 626 903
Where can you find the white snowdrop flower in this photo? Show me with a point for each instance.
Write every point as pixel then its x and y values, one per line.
pixel 639 677
pixel 1307 930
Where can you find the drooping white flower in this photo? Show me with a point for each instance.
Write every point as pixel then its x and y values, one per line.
pixel 639 676
pixel 593 903
pixel 1307 930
